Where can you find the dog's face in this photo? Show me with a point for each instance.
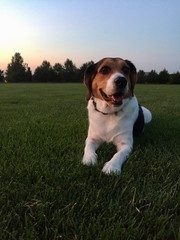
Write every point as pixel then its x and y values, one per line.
pixel 111 80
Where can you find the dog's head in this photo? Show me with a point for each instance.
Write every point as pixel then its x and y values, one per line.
pixel 111 80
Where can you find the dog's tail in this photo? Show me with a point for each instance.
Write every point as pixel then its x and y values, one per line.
pixel 147 115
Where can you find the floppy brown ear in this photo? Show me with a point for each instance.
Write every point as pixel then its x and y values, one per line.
pixel 88 78
pixel 133 74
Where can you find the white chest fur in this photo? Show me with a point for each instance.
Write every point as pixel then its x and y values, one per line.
pixel 108 127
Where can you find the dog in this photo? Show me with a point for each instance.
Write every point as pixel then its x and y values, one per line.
pixel 113 110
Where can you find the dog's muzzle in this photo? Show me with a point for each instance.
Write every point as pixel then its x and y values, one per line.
pixel 120 82
pixel 117 97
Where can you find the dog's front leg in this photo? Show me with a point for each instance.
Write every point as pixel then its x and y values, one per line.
pixel 90 156
pixel 115 164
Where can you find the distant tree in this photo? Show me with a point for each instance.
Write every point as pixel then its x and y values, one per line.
pixel 69 66
pixel 82 70
pixel 17 70
pixel 175 78
pixel 28 75
pixel 44 73
pixel 164 77
pixel 58 69
pixel 1 76
pixel 70 71
pixel 152 77
pixel 141 77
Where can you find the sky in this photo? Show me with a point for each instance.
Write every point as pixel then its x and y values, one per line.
pixel 145 32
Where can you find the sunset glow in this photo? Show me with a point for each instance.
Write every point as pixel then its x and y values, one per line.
pixel 147 33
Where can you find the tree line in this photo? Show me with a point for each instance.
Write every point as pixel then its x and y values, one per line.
pixel 19 72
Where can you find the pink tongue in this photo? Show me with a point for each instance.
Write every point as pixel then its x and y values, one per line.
pixel 117 98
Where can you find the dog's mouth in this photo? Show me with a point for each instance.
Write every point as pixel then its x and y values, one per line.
pixel 115 98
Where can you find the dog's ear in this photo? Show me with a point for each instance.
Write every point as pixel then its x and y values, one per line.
pixel 88 78
pixel 133 75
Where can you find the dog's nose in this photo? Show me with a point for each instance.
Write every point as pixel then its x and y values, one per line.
pixel 121 82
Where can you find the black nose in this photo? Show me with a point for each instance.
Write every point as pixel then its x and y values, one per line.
pixel 121 82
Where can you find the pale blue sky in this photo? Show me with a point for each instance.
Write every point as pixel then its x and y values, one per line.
pixel 145 32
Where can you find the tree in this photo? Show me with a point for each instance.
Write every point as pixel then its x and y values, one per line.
pixel 1 76
pixel 28 75
pixel 175 78
pixel 152 77
pixel 44 73
pixel 17 70
pixel 82 70
pixel 141 77
pixel 58 69
pixel 70 71
pixel 164 77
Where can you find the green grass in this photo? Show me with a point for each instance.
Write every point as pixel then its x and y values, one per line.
pixel 45 191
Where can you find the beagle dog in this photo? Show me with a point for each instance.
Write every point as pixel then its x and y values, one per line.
pixel 113 110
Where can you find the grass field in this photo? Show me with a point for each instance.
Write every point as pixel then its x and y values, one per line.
pixel 45 191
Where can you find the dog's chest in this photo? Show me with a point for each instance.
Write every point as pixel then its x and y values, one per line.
pixel 106 127
pixel 112 127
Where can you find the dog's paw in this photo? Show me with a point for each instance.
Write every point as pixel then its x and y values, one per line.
pixel 110 168
pixel 90 159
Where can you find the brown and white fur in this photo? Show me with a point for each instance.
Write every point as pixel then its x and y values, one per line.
pixel 112 110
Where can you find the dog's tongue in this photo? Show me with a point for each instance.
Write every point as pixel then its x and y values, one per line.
pixel 116 98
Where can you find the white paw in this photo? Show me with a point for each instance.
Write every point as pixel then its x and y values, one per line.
pixel 90 159
pixel 110 167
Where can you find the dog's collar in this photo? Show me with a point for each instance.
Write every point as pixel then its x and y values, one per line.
pixel 104 113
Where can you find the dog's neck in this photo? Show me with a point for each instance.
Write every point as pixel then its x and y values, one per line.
pixel 103 108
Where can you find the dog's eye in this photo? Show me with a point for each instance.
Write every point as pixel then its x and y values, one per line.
pixel 105 70
pixel 125 70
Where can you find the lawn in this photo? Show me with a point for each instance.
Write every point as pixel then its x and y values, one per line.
pixel 45 191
